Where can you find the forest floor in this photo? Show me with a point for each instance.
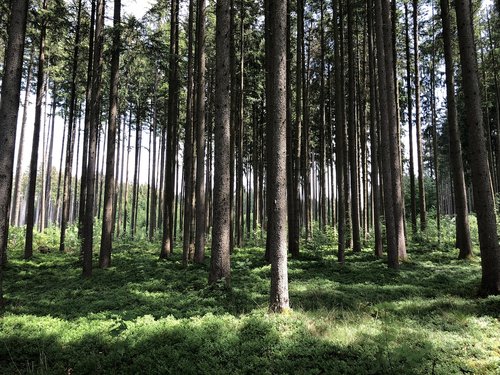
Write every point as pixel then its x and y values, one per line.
pixel 148 316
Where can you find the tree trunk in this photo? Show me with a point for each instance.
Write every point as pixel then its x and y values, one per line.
pixel 462 231
pixel 340 136
pixel 374 138
pixel 353 125
pixel 9 106
pixel 481 181
pixel 413 202
pixel 189 148
pixel 88 100
pixel 109 185
pixel 276 157
pixel 40 90
pixel 14 219
pixel 199 253
pixel 173 95
pixel 220 267
pixel 88 227
pixel 420 162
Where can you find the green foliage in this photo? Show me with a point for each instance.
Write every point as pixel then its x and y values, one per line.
pixel 145 315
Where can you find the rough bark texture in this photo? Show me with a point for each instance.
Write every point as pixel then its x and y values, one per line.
pixel 276 157
pixel 9 105
pixel 392 249
pixel 220 267
pixel 481 180
pixel 109 184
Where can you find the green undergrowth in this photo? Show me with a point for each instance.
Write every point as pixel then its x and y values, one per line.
pixel 148 316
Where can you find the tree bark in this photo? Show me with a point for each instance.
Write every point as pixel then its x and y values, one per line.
pixel 276 157
pixel 201 218
pixel 420 162
pixel 9 105
pixel 172 122
pixel 220 267
pixel 40 90
pixel 71 134
pixel 109 184
pixel 481 180
pixel 88 227
pixel 14 219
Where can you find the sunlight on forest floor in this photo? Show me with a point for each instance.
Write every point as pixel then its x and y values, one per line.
pixel 144 315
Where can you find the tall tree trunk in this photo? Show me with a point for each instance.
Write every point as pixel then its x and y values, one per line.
pixel 413 202
pixel 418 122
pixel 322 124
pixel 173 95
pixel 391 233
pixel 86 131
pixel 395 142
pixel 40 90
pixel 14 218
pixel 109 185
pixel 353 125
pixel 48 174
pixel 481 180
pixel 88 227
pixel 189 149
pixel 276 157
pixel 9 106
pixel 339 135
pixel 462 231
pixel 201 218
pixel 220 266
pixel 152 207
pixel 374 137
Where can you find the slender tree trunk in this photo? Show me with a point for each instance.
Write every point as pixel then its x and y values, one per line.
pixel 48 178
pixel 14 219
pixel 201 218
pixel 340 136
pixel 374 137
pixel 189 148
pixel 86 131
pixel 173 94
pixel 88 228
pixel 109 185
pixel 135 186
pixel 40 90
pixel 353 125
pixel 481 180
pixel 462 231
pixel 220 267
pixel 413 202
pixel 420 162
pixel 154 199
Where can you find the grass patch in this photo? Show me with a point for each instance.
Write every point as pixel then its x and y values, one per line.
pixel 145 315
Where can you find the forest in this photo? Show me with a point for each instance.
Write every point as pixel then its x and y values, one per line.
pixel 249 187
